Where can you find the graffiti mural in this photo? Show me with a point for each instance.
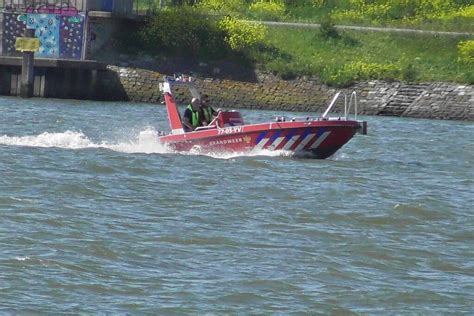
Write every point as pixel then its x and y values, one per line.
pixel 46 28
pixel 12 28
pixel 60 36
pixel 71 36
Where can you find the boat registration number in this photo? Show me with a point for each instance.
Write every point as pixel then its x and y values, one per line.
pixel 230 130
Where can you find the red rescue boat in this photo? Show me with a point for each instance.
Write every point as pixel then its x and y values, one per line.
pixel 318 137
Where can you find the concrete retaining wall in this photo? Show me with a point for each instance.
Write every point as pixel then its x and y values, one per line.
pixel 430 100
pixel 427 100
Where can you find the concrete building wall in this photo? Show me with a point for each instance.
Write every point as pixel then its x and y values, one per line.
pixel 101 32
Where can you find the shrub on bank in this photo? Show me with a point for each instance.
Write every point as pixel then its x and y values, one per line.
pixel 222 6
pixel 241 35
pixel 441 14
pixel 466 52
pixel 273 10
pixel 467 12
pixel 409 73
pixel 305 3
pixel 469 77
pixel 360 70
pixel 182 32
pixel 328 29
pixel 186 32
pixel 363 11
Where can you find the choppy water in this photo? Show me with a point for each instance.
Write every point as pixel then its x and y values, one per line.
pixel 95 216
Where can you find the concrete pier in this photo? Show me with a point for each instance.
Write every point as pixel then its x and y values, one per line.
pixel 71 79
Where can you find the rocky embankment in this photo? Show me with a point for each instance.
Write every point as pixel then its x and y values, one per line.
pixel 421 100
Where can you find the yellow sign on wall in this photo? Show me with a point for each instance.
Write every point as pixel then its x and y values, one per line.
pixel 27 44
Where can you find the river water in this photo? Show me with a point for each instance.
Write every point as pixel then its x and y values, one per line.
pixel 96 216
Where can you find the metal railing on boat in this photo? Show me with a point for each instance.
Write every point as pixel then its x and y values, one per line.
pixel 347 111
pixel 347 105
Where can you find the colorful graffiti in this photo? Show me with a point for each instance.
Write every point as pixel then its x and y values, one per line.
pixel 72 27
pixel 46 28
pixel 60 36
pixel 12 28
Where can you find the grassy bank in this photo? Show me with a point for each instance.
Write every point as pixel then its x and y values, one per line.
pixel 337 57
pixel 338 61
pixel 439 15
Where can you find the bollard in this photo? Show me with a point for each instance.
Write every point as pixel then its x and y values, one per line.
pixel 363 129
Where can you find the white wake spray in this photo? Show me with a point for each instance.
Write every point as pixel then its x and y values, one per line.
pixel 68 139
pixel 145 142
pixel 253 153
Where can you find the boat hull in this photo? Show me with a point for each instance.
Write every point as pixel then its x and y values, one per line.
pixel 317 139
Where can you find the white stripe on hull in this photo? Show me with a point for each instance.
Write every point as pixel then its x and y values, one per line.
pixel 261 143
pixel 320 140
pixel 290 142
pixel 275 143
pixel 305 141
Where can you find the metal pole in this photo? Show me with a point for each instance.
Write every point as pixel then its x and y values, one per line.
pixel 85 30
pixel 27 75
